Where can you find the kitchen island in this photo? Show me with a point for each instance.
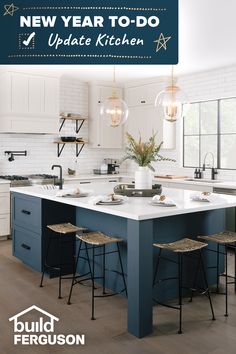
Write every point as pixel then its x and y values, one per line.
pixel 140 224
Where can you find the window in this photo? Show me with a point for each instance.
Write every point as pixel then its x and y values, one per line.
pixel 210 127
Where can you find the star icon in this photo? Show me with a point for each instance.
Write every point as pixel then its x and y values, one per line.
pixel 10 9
pixel 161 42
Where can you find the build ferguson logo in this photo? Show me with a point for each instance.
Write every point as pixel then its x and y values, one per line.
pixel 41 331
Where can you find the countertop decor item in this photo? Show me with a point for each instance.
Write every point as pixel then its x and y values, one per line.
pixel 114 110
pixel 71 172
pixel 130 191
pixel 143 153
pixel 170 101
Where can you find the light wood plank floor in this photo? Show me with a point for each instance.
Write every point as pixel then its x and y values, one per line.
pixel 107 335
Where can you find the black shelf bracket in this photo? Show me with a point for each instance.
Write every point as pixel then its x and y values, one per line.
pixel 78 127
pixel 78 151
pixel 62 123
pixel 60 149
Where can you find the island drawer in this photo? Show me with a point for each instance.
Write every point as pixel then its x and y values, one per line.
pixel 27 212
pixel 27 247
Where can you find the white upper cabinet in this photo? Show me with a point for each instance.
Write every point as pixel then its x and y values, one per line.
pixel 143 115
pixel 29 103
pixel 100 134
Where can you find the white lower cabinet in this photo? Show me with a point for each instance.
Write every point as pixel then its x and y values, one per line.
pixel 91 180
pixel 4 210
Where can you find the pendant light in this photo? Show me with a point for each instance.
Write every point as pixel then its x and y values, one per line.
pixel 114 110
pixel 170 101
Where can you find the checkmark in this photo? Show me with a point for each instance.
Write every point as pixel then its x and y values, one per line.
pixel 29 39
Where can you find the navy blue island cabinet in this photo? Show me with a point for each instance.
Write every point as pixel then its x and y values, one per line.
pixel 30 217
pixel 32 214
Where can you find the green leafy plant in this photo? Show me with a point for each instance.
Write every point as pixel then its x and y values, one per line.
pixel 144 153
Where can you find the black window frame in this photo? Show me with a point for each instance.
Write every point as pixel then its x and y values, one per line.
pixel 218 134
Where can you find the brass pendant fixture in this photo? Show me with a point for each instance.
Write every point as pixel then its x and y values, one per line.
pixel 170 101
pixel 114 110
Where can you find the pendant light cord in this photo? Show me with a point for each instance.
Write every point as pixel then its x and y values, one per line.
pixel 114 81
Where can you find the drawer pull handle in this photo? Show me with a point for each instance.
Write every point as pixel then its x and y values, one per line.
pixel 112 180
pixel 85 182
pixel 25 246
pixel 26 212
pixel 143 101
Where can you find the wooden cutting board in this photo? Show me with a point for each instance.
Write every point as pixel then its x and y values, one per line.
pixel 171 177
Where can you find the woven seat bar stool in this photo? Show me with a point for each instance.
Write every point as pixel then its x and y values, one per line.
pixel 60 230
pixel 183 247
pixel 94 241
pixel 222 239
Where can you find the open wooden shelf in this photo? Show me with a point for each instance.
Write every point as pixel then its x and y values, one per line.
pixel 79 121
pixel 61 145
pixel 76 119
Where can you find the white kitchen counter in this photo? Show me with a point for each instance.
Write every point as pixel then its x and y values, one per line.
pixel 135 208
pixel 218 184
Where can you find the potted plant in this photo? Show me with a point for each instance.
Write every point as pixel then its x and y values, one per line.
pixel 143 153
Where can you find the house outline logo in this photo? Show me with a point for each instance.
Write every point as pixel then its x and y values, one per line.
pixel 41 332
pixel 33 307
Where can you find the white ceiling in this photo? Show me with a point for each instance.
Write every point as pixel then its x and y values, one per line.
pixel 207 30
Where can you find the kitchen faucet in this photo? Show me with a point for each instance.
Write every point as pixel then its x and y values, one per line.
pixel 213 169
pixel 60 183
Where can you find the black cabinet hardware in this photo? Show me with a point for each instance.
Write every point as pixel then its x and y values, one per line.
pixel 25 212
pixel 26 247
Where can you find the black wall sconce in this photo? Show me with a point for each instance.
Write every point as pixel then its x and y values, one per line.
pixel 15 153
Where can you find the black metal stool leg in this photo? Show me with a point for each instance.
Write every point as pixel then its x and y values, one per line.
pixel 195 278
pixel 74 274
pixel 122 269
pixel 180 266
pixel 206 284
pixel 45 263
pixel 60 267
pixel 157 266
pixel 103 270
pixel 217 267
pixel 226 282
pixel 88 259
pixel 93 256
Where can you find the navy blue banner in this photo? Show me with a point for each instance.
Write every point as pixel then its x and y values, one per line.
pixel 89 32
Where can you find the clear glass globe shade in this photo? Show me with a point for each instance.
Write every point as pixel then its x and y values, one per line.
pixel 114 111
pixel 170 103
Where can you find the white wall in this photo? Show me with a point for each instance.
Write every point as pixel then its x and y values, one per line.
pixel 42 153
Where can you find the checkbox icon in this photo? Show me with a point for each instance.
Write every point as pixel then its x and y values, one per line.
pixel 27 40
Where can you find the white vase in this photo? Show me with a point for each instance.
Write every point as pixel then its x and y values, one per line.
pixel 143 178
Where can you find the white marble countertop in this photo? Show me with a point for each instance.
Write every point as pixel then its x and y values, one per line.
pixel 216 184
pixel 135 208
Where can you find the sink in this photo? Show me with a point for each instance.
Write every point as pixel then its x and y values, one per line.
pixel 202 180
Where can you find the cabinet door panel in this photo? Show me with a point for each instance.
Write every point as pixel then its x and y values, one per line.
pixel 36 95
pixel 144 120
pixel 4 203
pixel 27 247
pixel 19 93
pixel 4 224
pixel 51 96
